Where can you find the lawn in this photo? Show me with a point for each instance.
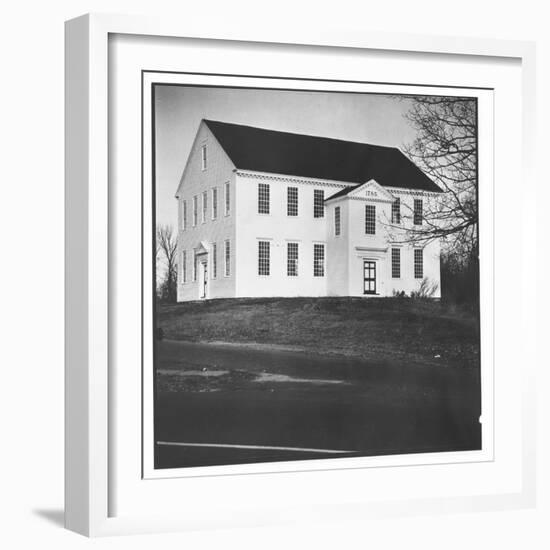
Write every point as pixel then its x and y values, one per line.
pixel 382 329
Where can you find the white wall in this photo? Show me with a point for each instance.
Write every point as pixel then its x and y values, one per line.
pixel 219 171
pixel 279 229
pixel 32 491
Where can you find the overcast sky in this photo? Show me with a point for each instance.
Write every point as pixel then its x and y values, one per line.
pixel 369 118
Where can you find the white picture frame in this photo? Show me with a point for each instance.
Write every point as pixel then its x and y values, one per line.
pixel 93 441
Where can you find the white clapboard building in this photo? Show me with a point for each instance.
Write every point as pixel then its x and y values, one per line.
pixel 270 213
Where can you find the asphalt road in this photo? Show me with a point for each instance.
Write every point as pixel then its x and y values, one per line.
pixel 220 404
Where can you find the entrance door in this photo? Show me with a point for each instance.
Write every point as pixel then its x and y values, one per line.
pixel 369 277
pixel 203 281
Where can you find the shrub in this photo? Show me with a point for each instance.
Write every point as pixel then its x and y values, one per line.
pixel 426 289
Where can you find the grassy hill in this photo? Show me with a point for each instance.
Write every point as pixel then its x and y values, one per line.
pixel 384 329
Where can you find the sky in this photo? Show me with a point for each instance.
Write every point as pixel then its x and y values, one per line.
pixel 370 118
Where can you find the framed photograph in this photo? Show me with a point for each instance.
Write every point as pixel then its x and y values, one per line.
pixel 294 276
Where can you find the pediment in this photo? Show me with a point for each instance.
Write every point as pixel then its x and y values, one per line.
pixel 371 190
pixel 203 248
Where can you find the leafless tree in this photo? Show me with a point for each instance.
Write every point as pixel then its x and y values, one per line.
pixel 446 150
pixel 166 253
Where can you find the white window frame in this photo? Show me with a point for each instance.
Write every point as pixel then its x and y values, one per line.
pixel 227 198
pixel 416 250
pixel 204 157
pixel 204 209
pixel 227 258
pixel 395 248
pixel 297 260
pixel 195 210
pixel 184 215
pixel 315 193
pixel 288 204
pixel 214 254
pixel 323 245
pixel 337 221
pixel 258 263
pixel 214 203
pixel 183 267
pixel 262 201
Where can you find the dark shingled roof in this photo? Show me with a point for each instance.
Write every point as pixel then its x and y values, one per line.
pixel 270 151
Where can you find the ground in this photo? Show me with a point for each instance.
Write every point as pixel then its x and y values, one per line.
pixel 249 380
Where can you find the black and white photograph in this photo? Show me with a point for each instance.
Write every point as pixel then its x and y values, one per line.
pixel 316 275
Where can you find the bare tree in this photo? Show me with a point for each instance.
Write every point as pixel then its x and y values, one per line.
pixel 166 253
pixel 446 150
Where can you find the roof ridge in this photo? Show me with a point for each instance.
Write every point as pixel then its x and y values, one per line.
pixel 207 120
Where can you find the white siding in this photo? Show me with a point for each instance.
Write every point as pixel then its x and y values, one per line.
pixel 279 229
pixel 195 181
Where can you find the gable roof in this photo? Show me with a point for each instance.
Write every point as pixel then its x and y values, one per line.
pixel 271 151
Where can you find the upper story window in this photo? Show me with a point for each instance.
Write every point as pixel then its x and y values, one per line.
pixel 292 259
pixel 263 198
pixel 204 158
pixel 263 258
pixel 370 219
pixel 396 211
pixel 318 203
pixel 204 205
pixel 418 263
pixel 417 217
pixel 318 260
pixel 227 201
pixel 214 203
pixel 396 263
pixel 292 201
pixel 195 210
pixel 337 221
pixel 183 215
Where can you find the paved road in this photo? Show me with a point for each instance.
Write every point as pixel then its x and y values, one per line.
pixel 229 405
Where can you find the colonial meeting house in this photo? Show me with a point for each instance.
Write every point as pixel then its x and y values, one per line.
pixel 269 213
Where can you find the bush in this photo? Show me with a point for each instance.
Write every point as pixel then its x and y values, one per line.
pixel 426 290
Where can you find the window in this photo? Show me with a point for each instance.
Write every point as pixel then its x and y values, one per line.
pixel 292 201
pixel 214 260
pixel 227 256
pixel 370 219
pixel 417 218
pixel 292 259
pixel 214 203
pixel 263 198
pixel 194 265
pixel 184 215
pixel 318 260
pixel 183 269
pixel 396 263
pixel 227 198
pixel 396 211
pixel 195 209
pixel 337 221
pixel 203 157
pixel 263 257
pixel 204 205
pixel 318 203
pixel 418 263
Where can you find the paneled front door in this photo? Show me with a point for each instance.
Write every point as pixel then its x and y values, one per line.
pixel 369 277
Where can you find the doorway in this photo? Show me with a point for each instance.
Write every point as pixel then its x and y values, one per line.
pixel 369 277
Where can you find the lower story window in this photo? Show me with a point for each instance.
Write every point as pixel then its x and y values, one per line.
pixel 418 263
pixel 396 263
pixel 292 260
pixel 318 260
pixel 184 267
pixel 227 256
pixel 263 258
pixel 214 260
pixel 194 265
